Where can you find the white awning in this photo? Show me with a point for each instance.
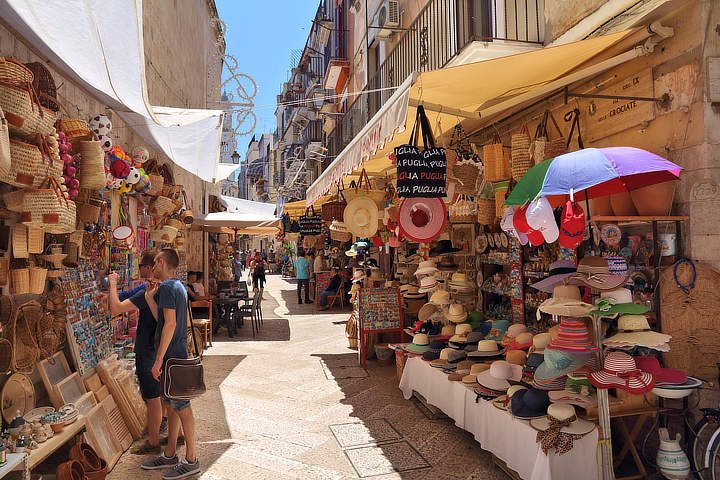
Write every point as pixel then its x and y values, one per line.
pixel 224 170
pixel 387 122
pixel 258 209
pixel 99 44
pixel 251 223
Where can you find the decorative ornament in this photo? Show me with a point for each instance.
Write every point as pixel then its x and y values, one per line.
pixel 100 124
pixel 140 154
pixel 143 184
pixel 106 143
pixel 133 177
pixel 124 187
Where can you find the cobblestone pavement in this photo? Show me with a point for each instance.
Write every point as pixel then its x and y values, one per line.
pixel 292 403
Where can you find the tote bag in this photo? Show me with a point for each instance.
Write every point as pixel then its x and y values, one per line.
pixel 421 172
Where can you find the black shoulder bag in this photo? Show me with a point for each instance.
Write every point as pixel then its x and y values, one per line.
pixel 183 379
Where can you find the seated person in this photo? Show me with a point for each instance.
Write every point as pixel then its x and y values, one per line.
pixel 336 283
pixel 196 291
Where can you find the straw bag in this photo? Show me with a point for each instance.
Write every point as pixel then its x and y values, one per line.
pixel 5 155
pixel 187 215
pixel 37 277
pixel 4 270
pixel 467 167
pixel 90 212
pixel 19 241
pixel 334 210
pixel 501 190
pixel 14 200
pixel 157 182
pixel 543 148
pixel 497 161
pixel 175 222
pixel 520 159
pixel 76 129
pixel 463 210
pixel 161 206
pixel 44 84
pixel 49 208
pixel 20 279
pixel 35 240
pixel 23 111
pixel 31 164
pixel 12 70
pixel 363 188
pixel 163 233
pixel 91 163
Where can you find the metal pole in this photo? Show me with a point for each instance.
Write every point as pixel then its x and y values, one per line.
pixel 605 457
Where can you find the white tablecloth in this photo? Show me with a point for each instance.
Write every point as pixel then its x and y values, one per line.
pixel 508 438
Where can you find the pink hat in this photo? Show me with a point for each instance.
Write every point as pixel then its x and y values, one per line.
pixel 422 219
pixel 662 375
pixel 521 342
pixel 540 217
pixel 572 225
pixel 521 225
pixel 620 371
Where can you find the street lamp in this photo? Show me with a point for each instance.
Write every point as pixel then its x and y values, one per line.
pixel 235 157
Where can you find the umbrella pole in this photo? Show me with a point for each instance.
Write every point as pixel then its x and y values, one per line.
pixel 235 243
pixel 606 471
pixel 587 207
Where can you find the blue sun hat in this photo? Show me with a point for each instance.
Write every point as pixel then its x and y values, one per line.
pixel 557 363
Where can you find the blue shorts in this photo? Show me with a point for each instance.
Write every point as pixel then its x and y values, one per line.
pixel 177 405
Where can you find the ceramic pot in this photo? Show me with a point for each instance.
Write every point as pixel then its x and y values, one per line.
pixel 671 460
pixel 654 200
pixel 600 206
pixel 622 204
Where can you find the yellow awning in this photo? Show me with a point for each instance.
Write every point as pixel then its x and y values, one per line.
pixel 296 209
pixel 451 95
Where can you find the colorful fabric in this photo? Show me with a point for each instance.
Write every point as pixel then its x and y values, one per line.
pixel 573 337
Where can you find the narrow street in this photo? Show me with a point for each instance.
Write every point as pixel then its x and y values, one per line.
pixel 292 403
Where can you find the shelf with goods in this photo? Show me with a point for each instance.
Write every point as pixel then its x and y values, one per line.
pixel 499 263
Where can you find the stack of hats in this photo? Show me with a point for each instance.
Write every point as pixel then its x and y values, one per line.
pixel 433 351
pixel 471 341
pixel 669 383
pixel 459 340
pixel 513 331
pixel 486 349
pixel 495 381
pixel 428 285
pixel 460 283
pixel 426 267
pixel 536 353
pixel 634 330
pixel 456 313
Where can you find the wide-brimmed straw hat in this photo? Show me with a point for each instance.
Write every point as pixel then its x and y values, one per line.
pixel 567 302
pixel 420 344
pixel 440 298
pixel 594 272
pixel 361 217
pixel 616 302
pixel 564 417
pixel 635 330
pixel 486 348
pixel 422 219
pixel 456 313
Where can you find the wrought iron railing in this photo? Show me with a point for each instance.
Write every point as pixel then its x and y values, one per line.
pixel 442 29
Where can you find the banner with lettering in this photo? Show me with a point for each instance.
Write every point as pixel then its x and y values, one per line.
pixel 421 171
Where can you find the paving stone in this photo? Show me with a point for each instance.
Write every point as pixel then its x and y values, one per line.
pixel 364 433
pixel 385 459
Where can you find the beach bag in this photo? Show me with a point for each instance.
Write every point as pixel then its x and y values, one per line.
pixel 363 188
pixel 310 223
pixel 421 172
pixel 49 208
pixel 91 163
pixel 497 161
pixel 520 158
pixel 334 210
pixel 463 210
pixel 183 379
pixel 467 167
pixel 486 204
pixel 543 148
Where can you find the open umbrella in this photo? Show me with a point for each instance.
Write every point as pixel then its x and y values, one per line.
pixel 594 172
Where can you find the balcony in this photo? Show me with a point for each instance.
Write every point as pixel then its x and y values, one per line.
pixel 445 32
pixel 313 131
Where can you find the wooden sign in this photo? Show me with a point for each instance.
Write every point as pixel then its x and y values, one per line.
pixel 602 117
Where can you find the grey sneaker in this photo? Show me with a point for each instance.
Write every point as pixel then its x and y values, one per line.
pixel 183 469
pixel 161 461
pixel 163 426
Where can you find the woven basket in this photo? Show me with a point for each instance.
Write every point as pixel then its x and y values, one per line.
pixel 466 173
pixel 22 109
pixel 161 206
pixel 49 209
pixel 14 200
pixel 157 181
pixel 19 241
pixel 497 161
pixel 20 278
pixel 463 210
pixel 175 223
pixel 334 210
pixel 14 71
pixel 501 190
pixel 35 240
pixel 341 236
pixel 4 270
pixel 364 189
pixel 89 212
pixel 76 129
pixel 485 211
pixel 520 158
pixel 44 85
pixel 30 164
pixel 24 323
pixel 91 163
pixel 37 276
pixel 163 234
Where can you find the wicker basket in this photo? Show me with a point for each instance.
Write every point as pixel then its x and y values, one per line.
pixel 20 279
pixel 30 164
pixel 35 240
pixel 44 85
pixel 24 114
pixel 485 211
pixel 175 223
pixel 463 210
pixel 364 189
pixel 163 234
pixel 466 173
pixel 334 210
pixel 37 277
pixel 161 206
pixel 157 181
pixel 497 161
pixel 4 270
pixel 76 129
pixel 49 209
pixel 91 163
pixel 520 158
pixel 89 212
pixel 14 71
pixel 14 200
pixel 19 241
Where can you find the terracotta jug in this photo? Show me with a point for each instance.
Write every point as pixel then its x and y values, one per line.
pixel 622 204
pixel 654 200
pixel 671 460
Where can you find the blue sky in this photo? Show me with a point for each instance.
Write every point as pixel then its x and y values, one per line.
pixel 261 36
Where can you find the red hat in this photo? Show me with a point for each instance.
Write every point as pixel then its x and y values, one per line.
pixel 662 375
pixel 572 225
pixel 422 219
pixel 520 223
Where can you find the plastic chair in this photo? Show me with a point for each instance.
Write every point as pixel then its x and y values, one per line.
pixel 202 323
pixel 250 310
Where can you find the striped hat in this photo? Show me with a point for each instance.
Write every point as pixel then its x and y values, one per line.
pixel 554 384
pixel 620 371
pixel 573 337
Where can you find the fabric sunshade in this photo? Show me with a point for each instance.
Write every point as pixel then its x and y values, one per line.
pixel 99 45
pixel 453 94
pixel 248 223
pixel 247 207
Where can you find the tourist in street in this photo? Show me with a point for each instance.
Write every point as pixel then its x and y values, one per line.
pixel 131 300
pixel 171 313
pixel 302 273
pixel 258 277
pixel 238 265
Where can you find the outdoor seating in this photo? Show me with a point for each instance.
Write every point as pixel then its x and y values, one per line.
pixel 250 311
pixel 203 322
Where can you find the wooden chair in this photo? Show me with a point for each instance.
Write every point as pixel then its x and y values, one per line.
pixel 202 323
pixel 339 295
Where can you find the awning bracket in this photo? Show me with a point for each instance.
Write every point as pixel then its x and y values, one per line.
pixel 664 101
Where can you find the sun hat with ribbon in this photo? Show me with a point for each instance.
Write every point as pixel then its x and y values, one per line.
pixel 566 301
pixel 557 363
pixel 540 341
pixel 485 349
pixel 572 225
pixel 594 272
pixel 503 401
pixel 427 267
pixel 513 331
pixel 559 271
pixel 529 403
pixel 634 330
pixel 621 371
pixel 428 284
pixel 521 342
pixel 420 343
pixel 422 219
pixel 361 217
pixel 456 313
pixel 443 247
pixel 497 332
pixel 447 264
pixel 618 301
pixel 573 337
pixel 497 376
pixel 559 428
pixel 661 375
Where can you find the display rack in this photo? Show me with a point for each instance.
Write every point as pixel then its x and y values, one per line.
pixel 379 310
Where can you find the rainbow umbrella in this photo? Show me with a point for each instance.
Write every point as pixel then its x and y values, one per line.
pixel 592 172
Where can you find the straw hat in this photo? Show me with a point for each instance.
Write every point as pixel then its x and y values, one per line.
pixel 563 413
pixel 338 226
pixel 440 298
pixel 540 341
pixel 422 219
pixel 618 301
pixel 412 293
pixel 497 376
pixel 427 311
pixel 516 357
pixel 567 302
pixel 486 348
pixel 428 284
pixel 513 331
pixel 420 344
pixel 635 330
pixel 477 368
pixel 447 331
pixel 456 313
pixel 460 281
pixel 361 217
pixel 426 268
pixel 594 272
pixel 442 360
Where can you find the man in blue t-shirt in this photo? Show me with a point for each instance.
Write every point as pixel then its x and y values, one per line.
pixel 171 342
pixel 302 273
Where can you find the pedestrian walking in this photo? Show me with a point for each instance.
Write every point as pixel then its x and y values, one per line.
pixel 171 342
pixel 302 273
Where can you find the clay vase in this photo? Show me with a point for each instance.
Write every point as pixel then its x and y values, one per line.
pixel 600 206
pixel 654 200
pixel 622 204
pixel 671 460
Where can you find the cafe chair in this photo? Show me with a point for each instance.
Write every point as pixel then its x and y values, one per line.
pixel 250 311
pixel 203 322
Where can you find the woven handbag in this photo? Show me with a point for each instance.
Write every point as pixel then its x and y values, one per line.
pixel 463 210
pixel 520 158
pixel 25 115
pixel 363 188
pixel 486 204
pixel 91 163
pixel 90 212
pixel 31 164
pixel 49 208
pixel 161 206
pixel 497 161
pixel 334 210
pixel 44 84
pixel 467 166
pixel 543 148
pixel 157 181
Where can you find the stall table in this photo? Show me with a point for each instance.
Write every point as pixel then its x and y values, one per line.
pixel 46 448
pixel 510 439
pixel 16 462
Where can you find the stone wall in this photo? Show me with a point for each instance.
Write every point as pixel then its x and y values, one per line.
pixel 562 15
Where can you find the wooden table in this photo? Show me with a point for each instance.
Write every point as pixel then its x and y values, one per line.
pixel 46 448
pixel 16 462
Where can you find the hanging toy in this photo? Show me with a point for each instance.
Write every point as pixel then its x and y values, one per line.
pixel 140 154
pixel 133 177
pixel 118 166
pixel 124 187
pixel 143 184
pixel 100 124
pixel 106 143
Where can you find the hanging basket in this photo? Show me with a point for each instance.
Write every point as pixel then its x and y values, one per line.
pixel 161 206
pixel 466 173
pixel 187 216
pixel 90 212
pixel 30 164
pixel 14 200
pixel 91 163
pixel 4 270
pixel 14 71
pixel 37 277
pixel 157 181
pixel 76 129
pixel 175 223
pixel 49 209
pixel 20 279
pixel 19 241
pixel 35 240
pixel 25 115
pixel 520 158
pixel 543 148
pixel 363 188
pixel 44 85
pixel 463 210
pixel 497 161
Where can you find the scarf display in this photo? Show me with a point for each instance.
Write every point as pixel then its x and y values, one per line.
pixel 555 438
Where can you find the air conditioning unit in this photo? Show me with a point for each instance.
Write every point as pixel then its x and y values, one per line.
pixel 387 18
